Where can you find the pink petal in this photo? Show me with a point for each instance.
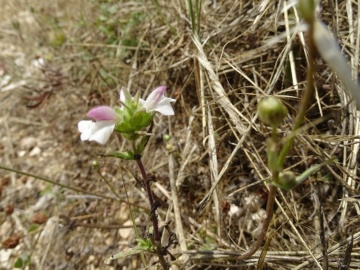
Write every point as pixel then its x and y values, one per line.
pixel 102 113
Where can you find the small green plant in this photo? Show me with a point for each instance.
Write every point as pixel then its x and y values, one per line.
pixel 194 15
pixel 272 112
pixel 133 119
pixel 117 30
pixel 22 261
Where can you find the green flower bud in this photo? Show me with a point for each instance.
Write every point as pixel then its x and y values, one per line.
pixel 169 147
pixel 272 111
pixel 95 164
pixel 286 180
pixel 307 9
pixel 166 137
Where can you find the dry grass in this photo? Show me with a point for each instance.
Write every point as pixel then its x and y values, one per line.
pixel 216 157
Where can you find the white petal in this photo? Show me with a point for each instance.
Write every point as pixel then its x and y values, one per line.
pixel 103 133
pixel 99 131
pixel 122 96
pixel 235 211
pixel 141 101
pixel 85 129
pixel 329 50
pixel 164 107
pixel 152 100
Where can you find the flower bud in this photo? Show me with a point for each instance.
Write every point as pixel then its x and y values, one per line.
pixel 95 165
pixel 271 111
pixel 166 137
pixel 286 180
pixel 169 147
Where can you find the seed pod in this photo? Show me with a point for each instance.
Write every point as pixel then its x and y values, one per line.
pixel 286 181
pixel 272 111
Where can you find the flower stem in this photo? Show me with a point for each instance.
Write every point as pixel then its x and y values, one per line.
pixel 308 94
pixel 153 216
pixel 305 103
pixel 265 225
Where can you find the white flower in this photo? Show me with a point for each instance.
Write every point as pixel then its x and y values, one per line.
pixel 156 101
pixel 100 129
pixel 106 118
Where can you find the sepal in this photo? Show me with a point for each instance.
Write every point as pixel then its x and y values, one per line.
pixel 144 140
pixel 286 180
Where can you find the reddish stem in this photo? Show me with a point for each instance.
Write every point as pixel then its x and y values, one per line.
pixel 153 216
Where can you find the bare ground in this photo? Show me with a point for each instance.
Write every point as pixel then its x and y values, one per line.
pixel 59 59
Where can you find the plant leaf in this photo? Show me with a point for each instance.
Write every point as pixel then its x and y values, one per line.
pixel 127 155
pixel 129 252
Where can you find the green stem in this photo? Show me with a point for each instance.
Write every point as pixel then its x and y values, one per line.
pixel 305 103
pixel 197 7
pixel 307 96
pixel 191 11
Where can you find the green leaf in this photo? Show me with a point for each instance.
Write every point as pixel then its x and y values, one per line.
pixel 143 245
pixel 128 155
pixel 33 227
pixel 18 263
pixel 307 9
pixel 330 51
pixel 313 169
pixel 22 261
pixel 141 119
pixel 142 144
pixel 271 151
pixel 125 127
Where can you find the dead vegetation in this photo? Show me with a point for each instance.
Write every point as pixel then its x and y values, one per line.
pixel 58 60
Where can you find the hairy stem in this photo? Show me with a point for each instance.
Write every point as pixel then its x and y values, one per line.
pixel 153 216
